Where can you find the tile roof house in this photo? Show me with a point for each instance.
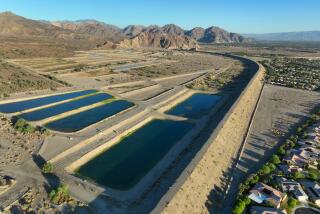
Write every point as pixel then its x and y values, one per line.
pixel 294 188
pixel 309 153
pixel 266 210
pixel 314 137
pixel 313 190
pixel 296 160
pixel 288 169
pixel 262 193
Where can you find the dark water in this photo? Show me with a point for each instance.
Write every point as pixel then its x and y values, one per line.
pixel 196 106
pixel 64 107
pixel 86 118
pixel 123 165
pixel 33 103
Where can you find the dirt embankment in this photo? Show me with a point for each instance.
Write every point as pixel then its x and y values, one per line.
pixel 198 192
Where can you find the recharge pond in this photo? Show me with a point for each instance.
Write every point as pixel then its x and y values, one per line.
pixel 195 106
pixel 123 165
pixel 34 103
pixel 64 107
pixel 88 117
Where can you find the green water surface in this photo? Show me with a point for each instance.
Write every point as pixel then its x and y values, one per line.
pixel 123 165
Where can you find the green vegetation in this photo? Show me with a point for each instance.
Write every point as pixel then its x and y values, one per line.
pixel 217 81
pixel 281 151
pixel 275 159
pixel 314 174
pixel 295 73
pixel 297 175
pixel 241 205
pixel 22 126
pixel 47 168
pixel 59 195
pixel 291 203
pixel 265 170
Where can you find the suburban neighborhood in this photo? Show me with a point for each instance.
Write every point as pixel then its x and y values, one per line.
pixel 290 179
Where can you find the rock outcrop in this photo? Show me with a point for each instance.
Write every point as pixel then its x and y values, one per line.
pixel 215 35
pixel 162 40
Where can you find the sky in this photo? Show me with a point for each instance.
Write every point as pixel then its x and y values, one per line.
pixel 241 16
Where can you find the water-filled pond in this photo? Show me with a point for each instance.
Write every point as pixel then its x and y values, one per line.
pixel 88 117
pixel 34 103
pixel 124 164
pixel 64 107
pixel 195 106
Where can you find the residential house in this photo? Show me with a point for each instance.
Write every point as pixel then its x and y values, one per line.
pixel 314 136
pixel 289 169
pixel 266 210
pixel 293 187
pixel 313 190
pixel 312 155
pixel 262 193
pixel 296 160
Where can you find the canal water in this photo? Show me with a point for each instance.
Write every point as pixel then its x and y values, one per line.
pixel 195 106
pixel 64 107
pixel 86 118
pixel 123 165
pixel 34 103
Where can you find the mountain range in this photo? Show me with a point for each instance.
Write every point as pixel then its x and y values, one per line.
pixel 302 36
pixel 169 36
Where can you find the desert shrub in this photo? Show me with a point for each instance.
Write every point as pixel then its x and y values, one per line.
pixel 59 195
pixel 43 130
pixel 47 168
pixel 23 126
pixel 294 139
